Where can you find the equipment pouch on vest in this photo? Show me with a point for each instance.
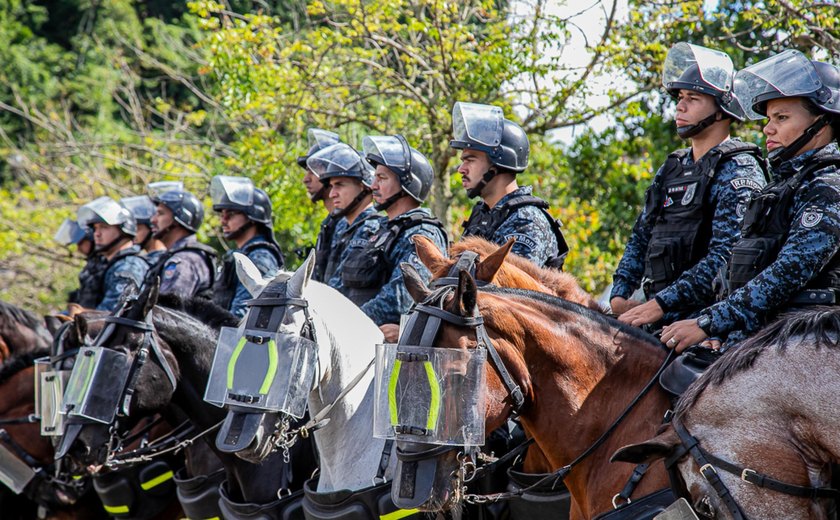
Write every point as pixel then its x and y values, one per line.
pixel 758 209
pixel 749 257
pixel 663 255
pixel 364 269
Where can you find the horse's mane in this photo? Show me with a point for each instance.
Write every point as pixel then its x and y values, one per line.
pixel 820 324
pixel 202 309
pixel 586 312
pixel 559 282
pixel 19 361
pixel 14 313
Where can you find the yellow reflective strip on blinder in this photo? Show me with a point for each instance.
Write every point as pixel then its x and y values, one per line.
pixel 392 393
pixel 399 513
pixel 272 367
pixel 160 479
pixel 231 368
pixel 434 397
pixel 115 510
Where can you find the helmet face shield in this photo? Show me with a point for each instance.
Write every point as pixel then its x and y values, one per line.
pixel 156 189
pixel 787 74
pixel 103 209
pixel 390 151
pixel 70 232
pixel 334 161
pixel 321 138
pixel 232 190
pixel 478 124
pixel 140 206
pixel 692 66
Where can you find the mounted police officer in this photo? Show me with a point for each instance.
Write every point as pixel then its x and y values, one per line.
pixel 495 150
pixel 142 208
pixel 787 256
pixel 188 266
pixel 245 213
pixel 693 208
pixel 350 178
pixel 332 226
pixel 92 275
pixel 371 275
pixel 113 231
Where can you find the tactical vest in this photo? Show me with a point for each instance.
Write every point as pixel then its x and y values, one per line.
pixel 485 223
pixel 224 287
pixel 677 207
pixel 322 247
pixel 335 253
pixel 207 253
pixel 366 272
pixel 765 230
pixel 91 283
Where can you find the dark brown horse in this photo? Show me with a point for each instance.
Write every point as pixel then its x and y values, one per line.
pixel 769 405
pixel 21 331
pixel 578 370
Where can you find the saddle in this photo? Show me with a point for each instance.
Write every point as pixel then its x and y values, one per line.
pixel 686 368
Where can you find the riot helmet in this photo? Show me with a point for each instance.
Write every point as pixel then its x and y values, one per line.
pixel 791 74
pixel 239 194
pixel 341 160
pixel 158 188
pixel 318 140
pixel 141 207
pixel 704 70
pixel 186 209
pixel 71 233
pixel 106 210
pixel 413 170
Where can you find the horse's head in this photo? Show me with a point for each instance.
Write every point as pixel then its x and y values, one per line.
pixel 126 373
pixel 279 311
pixel 430 475
pixel 498 266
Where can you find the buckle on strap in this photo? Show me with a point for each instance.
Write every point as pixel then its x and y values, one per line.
pixel 745 475
pixel 706 467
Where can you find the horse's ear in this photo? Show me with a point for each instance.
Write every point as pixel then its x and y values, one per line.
pixel 487 268
pixel 414 283
pixel 299 280
pixel 80 326
pixel 660 447
pixel 153 291
pixel 249 274
pixel 465 295
pixel 428 252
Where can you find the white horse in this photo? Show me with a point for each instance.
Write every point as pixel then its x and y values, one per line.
pixel 346 339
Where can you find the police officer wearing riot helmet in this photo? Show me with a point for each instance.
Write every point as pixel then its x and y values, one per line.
pixel 142 208
pixel 245 213
pixel 113 231
pixel 694 206
pixel 350 178
pixel 494 151
pixel 188 266
pixel 92 275
pixel 371 275
pixel 787 256
pixel 332 226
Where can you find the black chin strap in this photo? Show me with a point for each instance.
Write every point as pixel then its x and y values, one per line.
pixel 107 247
pixel 784 153
pixel 353 204
pixel 390 200
pixel 487 177
pixel 236 233
pixel 686 132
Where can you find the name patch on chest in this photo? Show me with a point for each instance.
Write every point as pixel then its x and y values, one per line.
pixel 685 192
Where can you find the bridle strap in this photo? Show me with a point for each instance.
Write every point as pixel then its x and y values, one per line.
pixel 467 261
pixel 708 468
pixel 277 302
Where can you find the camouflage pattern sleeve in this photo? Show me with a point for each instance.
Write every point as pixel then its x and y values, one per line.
pixel 734 182
pixel 125 271
pixel 532 231
pixel 628 275
pixel 813 241
pixel 266 262
pixel 393 299
pixel 185 274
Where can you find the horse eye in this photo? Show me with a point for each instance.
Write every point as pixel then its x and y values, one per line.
pixel 704 507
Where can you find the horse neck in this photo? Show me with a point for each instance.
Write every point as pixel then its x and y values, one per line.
pixel 587 371
pixel 349 454
pixel 17 402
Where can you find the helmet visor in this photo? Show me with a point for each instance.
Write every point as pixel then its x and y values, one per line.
pixel 235 190
pixel 321 138
pixel 140 206
pixel 393 151
pixel 714 68
pixel 104 209
pixel 787 74
pixel 156 189
pixel 334 160
pixel 70 232
pixel 481 124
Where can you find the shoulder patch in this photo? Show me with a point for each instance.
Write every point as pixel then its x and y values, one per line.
pixel 811 218
pixel 169 271
pixel 745 182
pixel 744 159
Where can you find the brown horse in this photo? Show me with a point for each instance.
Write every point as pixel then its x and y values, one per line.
pixel 769 405
pixel 578 370
pixel 21 331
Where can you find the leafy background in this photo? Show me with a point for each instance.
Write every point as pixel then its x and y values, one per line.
pixel 100 97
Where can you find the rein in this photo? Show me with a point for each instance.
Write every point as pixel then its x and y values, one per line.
pixel 709 464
